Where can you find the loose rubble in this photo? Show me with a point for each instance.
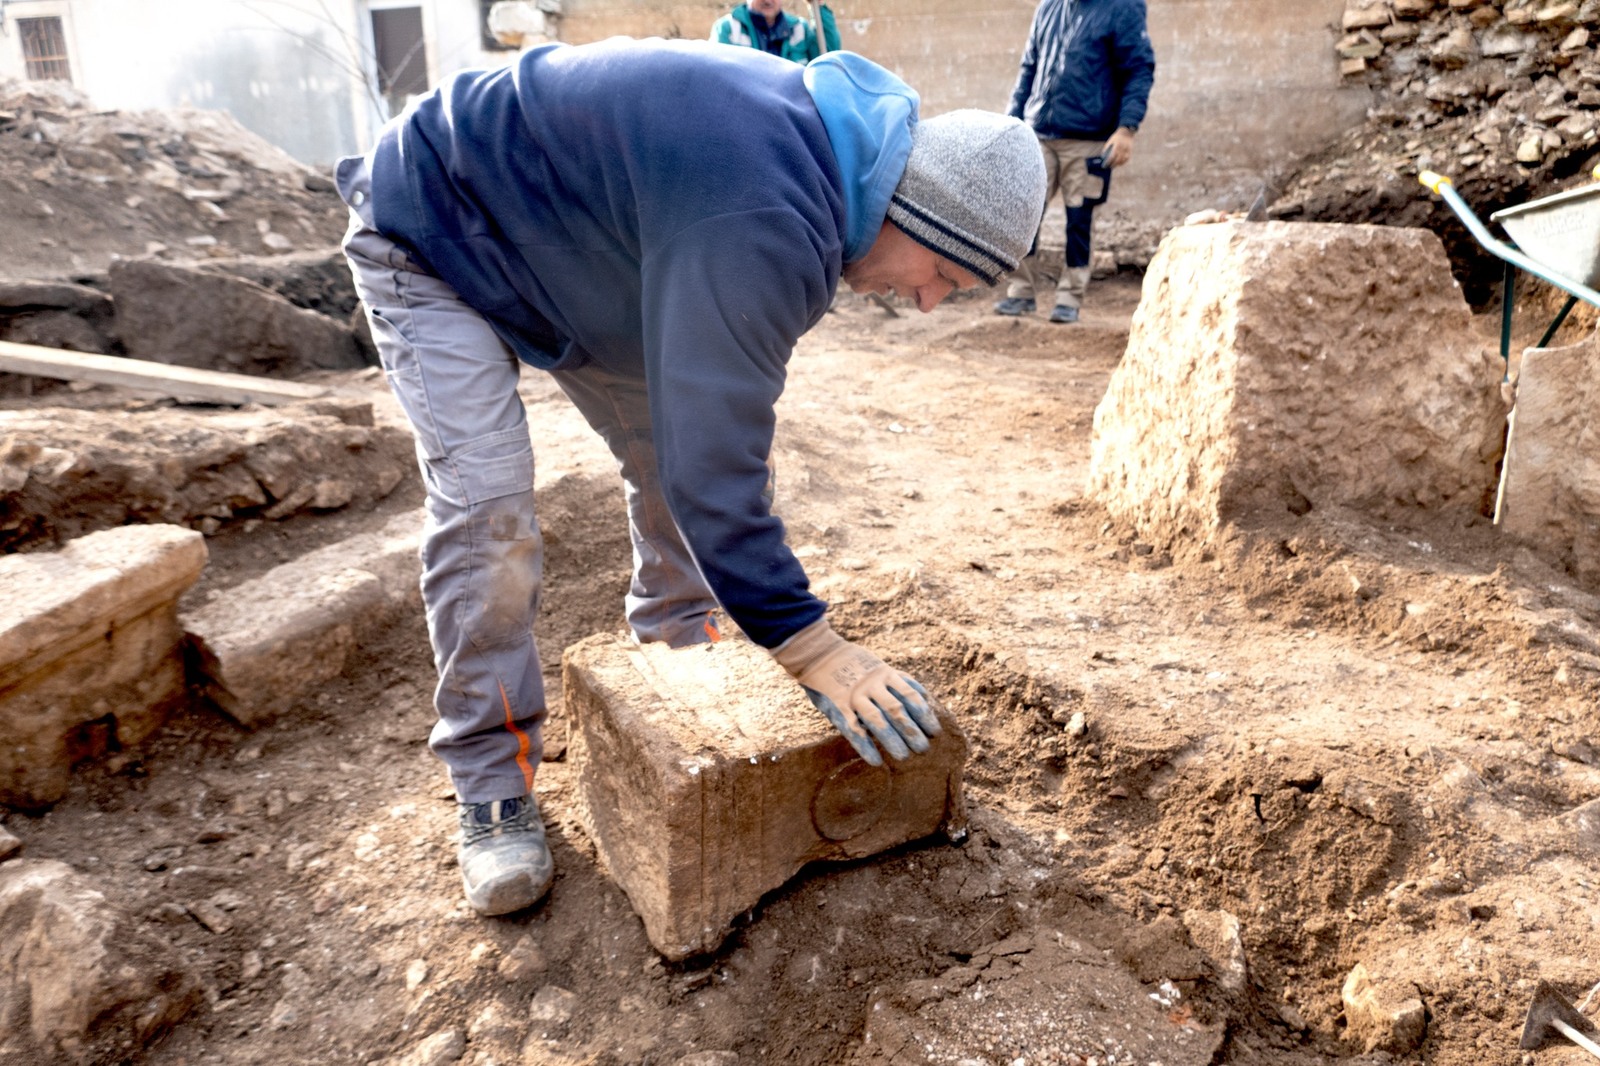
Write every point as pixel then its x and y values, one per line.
pixel 1502 96
pixel 79 187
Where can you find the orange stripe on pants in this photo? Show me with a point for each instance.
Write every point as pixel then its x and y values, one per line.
pixel 523 744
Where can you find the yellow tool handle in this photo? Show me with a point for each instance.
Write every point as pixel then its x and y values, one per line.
pixel 1436 181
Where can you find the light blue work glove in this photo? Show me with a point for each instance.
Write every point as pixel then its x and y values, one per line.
pixel 864 699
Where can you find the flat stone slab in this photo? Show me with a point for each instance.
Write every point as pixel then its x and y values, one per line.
pixel 706 780
pixel 1274 368
pixel 65 472
pixel 246 328
pixel 1550 484
pixel 271 641
pixel 90 651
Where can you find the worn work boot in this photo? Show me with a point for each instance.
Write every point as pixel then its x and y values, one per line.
pixel 1061 314
pixel 505 863
pixel 1015 305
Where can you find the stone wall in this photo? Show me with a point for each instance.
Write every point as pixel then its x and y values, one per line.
pixel 1502 96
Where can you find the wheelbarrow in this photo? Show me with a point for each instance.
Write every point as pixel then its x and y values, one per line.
pixel 1556 239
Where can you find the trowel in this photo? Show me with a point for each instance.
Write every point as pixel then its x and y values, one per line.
pixel 1549 1015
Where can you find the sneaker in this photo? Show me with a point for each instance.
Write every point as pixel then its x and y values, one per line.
pixel 1015 305
pixel 1063 314
pixel 505 863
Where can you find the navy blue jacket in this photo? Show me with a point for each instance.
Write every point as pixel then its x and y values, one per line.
pixel 674 211
pixel 1087 69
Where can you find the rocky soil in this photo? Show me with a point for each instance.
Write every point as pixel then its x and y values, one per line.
pixel 1205 791
pixel 1319 793
pixel 79 186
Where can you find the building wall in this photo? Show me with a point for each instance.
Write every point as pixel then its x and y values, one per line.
pixel 1243 87
pixel 298 72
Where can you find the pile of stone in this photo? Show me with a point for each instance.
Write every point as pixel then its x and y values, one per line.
pixel 79 186
pixel 1502 96
pixel 65 473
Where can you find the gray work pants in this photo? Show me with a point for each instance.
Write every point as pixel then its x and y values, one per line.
pixel 482 556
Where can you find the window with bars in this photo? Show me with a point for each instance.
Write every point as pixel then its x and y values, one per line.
pixel 44 48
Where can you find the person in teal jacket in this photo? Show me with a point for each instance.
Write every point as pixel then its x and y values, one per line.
pixel 761 24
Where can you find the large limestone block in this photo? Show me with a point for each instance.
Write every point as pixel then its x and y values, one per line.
pixel 707 780
pixel 80 980
pixel 1277 367
pixel 1550 488
pixel 271 641
pixel 90 651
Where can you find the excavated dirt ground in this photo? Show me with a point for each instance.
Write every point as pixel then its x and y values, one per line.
pixel 1357 740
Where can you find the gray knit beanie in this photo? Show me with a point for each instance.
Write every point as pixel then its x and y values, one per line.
pixel 973 190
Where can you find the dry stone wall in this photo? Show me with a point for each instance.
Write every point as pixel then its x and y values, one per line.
pixel 1503 96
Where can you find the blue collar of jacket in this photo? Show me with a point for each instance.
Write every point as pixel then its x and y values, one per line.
pixel 869 114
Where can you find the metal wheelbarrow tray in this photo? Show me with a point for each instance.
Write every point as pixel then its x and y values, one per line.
pixel 1557 240
pixel 1560 231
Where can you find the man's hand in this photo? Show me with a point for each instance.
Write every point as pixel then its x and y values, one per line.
pixel 863 698
pixel 1119 149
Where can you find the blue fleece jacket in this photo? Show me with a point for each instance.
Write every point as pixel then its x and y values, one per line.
pixel 672 210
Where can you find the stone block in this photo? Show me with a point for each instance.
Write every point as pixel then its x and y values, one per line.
pixel 1273 368
pixel 267 643
pixel 706 780
pixel 80 980
pixel 91 653
pixel 64 472
pixel 1383 1014
pixel 1365 14
pixel 55 314
pixel 1550 484
pixel 246 327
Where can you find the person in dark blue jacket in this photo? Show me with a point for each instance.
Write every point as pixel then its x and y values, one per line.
pixel 1083 86
pixel 653 223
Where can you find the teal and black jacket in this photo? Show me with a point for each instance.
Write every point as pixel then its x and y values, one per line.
pixel 788 38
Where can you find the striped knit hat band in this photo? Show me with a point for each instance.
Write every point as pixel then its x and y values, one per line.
pixel 973 191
